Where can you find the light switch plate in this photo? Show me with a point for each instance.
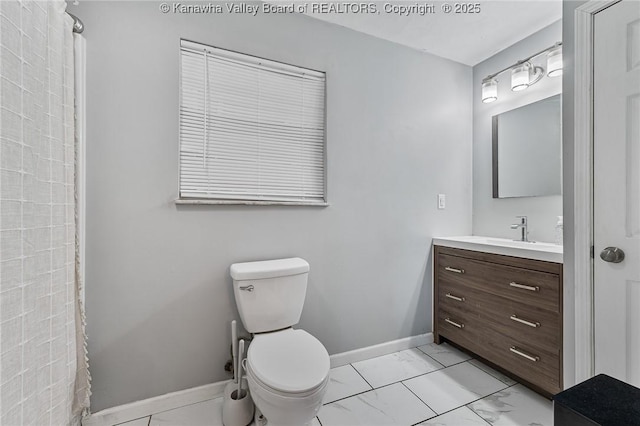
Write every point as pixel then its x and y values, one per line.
pixel 442 201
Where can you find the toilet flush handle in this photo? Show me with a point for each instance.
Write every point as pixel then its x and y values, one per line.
pixel 246 288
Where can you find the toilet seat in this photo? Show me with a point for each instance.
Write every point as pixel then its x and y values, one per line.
pixel 288 362
pixel 284 395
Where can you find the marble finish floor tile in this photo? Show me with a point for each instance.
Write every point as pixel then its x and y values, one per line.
pixel 387 369
pixel 206 413
pixel 515 406
pixel 444 353
pixel 138 422
pixel 343 382
pixel 453 387
pixel 390 405
pixel 498 375
pixel 465 393
pixel 462 416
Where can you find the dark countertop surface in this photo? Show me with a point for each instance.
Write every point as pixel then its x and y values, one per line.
pixel 603 399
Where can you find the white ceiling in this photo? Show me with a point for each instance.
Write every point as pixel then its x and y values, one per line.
pixel 465 38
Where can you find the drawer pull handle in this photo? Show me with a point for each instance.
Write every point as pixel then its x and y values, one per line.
pixel 524 355
pixel 525 287
pixel 515 318
pixel 451 296
pixel 457 271
pixel 453 323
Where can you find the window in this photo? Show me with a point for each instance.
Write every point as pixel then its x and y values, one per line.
pixel 250 129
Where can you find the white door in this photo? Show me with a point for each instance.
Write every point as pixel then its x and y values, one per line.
pixel 617 190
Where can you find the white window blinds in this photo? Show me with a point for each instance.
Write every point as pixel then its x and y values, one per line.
pixel 250 129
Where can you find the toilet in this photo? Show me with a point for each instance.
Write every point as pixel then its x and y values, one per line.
pixel 287 369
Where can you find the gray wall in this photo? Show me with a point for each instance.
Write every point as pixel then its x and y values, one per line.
pixel 492 216
pixel 159 297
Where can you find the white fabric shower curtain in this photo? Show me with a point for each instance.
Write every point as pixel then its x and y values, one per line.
pixel 43 371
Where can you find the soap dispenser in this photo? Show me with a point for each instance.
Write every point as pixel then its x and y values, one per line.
pixel 559 231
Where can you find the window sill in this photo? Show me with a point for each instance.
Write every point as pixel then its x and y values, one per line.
pixel 195 201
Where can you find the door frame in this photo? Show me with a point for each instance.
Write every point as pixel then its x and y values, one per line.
pixel 584 340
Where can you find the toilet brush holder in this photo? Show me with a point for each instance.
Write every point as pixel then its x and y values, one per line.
pixel 237 411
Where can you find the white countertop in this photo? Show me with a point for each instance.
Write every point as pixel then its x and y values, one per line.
pixel 548 252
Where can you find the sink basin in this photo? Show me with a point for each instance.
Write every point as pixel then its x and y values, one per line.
pixel 529 250
pixel 533 245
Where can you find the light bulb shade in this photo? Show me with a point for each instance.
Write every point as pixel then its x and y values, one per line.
pixel 554 62
pixel 489 90
pixel 520 77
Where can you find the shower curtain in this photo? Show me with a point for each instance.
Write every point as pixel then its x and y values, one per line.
pixel 43 369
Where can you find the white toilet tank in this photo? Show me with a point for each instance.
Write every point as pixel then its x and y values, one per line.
pixel 270 294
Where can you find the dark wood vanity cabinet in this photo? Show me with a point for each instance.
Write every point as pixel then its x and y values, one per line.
pixel 507 310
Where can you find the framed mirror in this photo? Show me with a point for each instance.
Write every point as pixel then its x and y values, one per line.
pixel 527 150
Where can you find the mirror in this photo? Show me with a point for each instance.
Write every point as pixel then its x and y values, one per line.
pixel 527 150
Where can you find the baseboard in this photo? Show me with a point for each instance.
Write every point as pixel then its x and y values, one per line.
pixel 169 401
pixel 157 404
pixel 385 348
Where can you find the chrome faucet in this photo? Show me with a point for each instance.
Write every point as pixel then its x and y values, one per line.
pixel 523 225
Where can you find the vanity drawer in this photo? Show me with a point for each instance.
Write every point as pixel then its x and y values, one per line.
pixel 459 327
pixel 538 327
pixel 517 284
pixel 534 365
pixel 457 297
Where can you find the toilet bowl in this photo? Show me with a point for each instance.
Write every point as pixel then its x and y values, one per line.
pixel 288 373
pixel 287 369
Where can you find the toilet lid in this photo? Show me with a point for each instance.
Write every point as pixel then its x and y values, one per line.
pixel 289 360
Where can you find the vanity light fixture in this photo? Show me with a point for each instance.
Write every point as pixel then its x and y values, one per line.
pixel 520 76
pixel 489 90
pixel 524 73
pixel 554 61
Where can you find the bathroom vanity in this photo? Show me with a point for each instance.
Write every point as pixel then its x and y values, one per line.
pixel 502 300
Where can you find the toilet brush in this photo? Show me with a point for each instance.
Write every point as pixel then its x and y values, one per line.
pixel 237 406
pixel 241 353
pixel 234 349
